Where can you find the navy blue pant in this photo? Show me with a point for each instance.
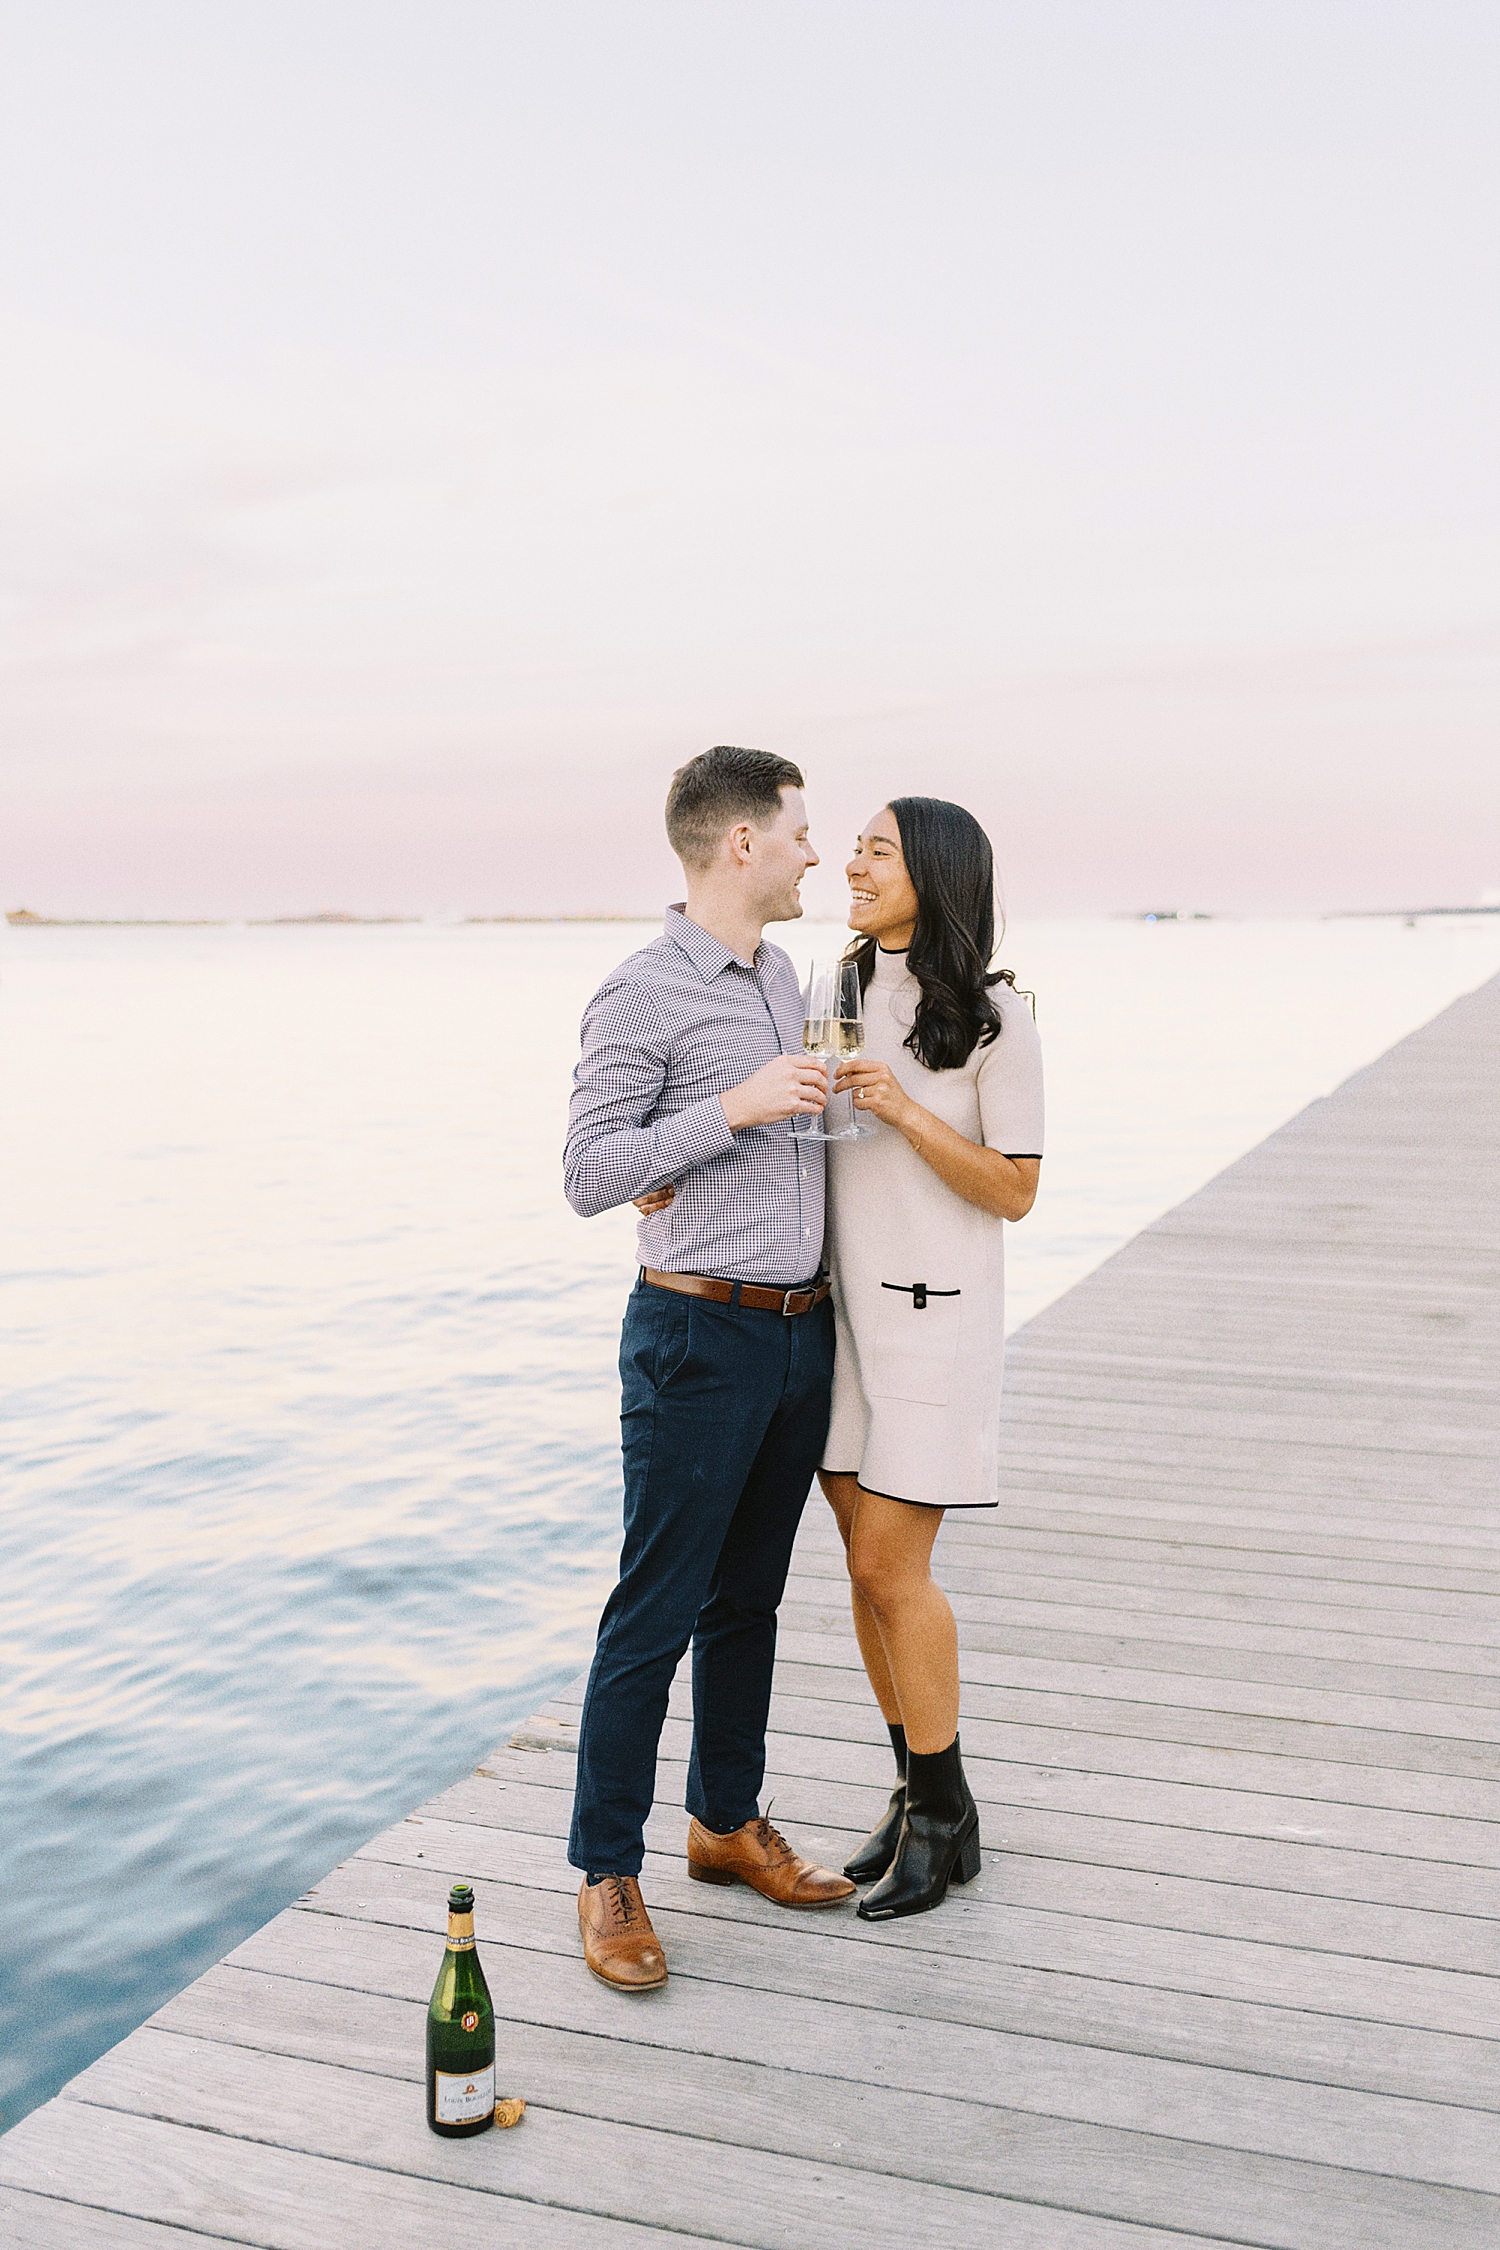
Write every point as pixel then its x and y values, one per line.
pixel 723 1416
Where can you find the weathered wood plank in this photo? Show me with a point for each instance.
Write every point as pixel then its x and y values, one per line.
pixel 1306 2034
pixel 1299 1844
pixel 1284 1776
pixel 247 2190
pixel 874 2126
pixel 1372 1653
pixel 1212 1906
pixel 1276 1886
pixel 1123 1670
pixel 1110 1941
pixel 1320 1740
pixel 41 2222
pixel 572 2167
pixel 1025 1520
pixel 1461 1620
pixel 1403 1758
pixel 1443 2143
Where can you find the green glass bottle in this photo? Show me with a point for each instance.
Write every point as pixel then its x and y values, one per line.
pixel 460 2032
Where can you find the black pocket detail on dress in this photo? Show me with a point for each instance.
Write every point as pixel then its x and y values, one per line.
pixel 915 1359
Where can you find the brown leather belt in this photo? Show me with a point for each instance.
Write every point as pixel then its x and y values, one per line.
pixel 788 1302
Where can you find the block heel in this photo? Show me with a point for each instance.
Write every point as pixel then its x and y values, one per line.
pixel 969 1862
pixel 702 1874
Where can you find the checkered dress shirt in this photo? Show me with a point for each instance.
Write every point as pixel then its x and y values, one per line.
pixel 674 1027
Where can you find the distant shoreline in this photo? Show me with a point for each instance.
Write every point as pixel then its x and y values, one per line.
pixel 21 918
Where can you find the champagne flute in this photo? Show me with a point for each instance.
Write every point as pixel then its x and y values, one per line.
pixel 833 1026
pixel 819 1000
pixel 849 1039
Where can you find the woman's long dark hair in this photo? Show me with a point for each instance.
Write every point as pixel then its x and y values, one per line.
pixel 952 869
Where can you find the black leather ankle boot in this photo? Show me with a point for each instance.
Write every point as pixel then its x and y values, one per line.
pixel 879 1847
pixel 939 1840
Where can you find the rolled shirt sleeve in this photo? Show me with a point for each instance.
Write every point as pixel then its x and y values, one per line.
pixel 617 1147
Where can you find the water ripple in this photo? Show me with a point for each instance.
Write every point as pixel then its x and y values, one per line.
pixel 308 1431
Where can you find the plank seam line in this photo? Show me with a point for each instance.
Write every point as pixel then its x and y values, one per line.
pixel 1123 1984
pixel 1168 1495
pixel 1143 1702
pixel 117 2211
pixel 1395 1735
pixel 1195 1554
pixel 1203 1617
pixel 394 2172
pixel 1048 1859
pixel 1092 1595
pixel 1353 1445
pixel 1095 1919
pixel 1156 1382
pixel 979 1758
pixel 210 2234
pixel 830 2164
pixel 720 1982
pixel 1018 1806
pixel 1292 1591
pixel 1072 1914
pixel 979 1554
pixel 1461 1691
pixel 1174 1742
pixel 1150 1583
pixel 1086 1773
pixel 732 2242
pixel 1124 1656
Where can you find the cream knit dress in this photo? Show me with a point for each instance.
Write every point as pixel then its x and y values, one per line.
pixel 918 1273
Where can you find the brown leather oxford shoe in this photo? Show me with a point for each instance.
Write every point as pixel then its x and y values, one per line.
pixel 760 1855
pixel 619 1943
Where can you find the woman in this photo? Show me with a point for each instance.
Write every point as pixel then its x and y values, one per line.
pixel 951 1073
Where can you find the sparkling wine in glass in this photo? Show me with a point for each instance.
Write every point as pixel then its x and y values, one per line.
pixel 849 1039
pixel 833 1027
pixel 819 999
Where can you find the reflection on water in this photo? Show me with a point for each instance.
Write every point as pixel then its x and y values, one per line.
pixel 307 1431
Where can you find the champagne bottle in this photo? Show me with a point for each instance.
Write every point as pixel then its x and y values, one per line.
pixel 460 2032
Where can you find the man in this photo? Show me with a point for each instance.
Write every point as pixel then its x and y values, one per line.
pixel 692 1067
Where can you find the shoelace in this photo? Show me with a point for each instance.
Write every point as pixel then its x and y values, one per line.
pixel 773 1841
pixel 620 1901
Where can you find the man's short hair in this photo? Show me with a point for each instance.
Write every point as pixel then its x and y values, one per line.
pixel 716 789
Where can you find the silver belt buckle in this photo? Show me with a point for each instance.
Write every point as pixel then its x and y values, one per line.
pixel 786 1302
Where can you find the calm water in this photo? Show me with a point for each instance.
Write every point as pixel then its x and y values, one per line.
pixel 307 1427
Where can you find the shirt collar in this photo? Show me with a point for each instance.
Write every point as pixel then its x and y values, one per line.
pixel 707 953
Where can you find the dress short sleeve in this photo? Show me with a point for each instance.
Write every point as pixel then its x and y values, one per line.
pixel 1009 1081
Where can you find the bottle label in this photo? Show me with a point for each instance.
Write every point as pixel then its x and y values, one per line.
pixel 460 1933
pixel 460 2099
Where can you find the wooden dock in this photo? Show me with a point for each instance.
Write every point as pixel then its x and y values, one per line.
pixel 1230 1974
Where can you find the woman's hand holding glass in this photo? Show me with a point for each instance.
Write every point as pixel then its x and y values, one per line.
pixel 877 1092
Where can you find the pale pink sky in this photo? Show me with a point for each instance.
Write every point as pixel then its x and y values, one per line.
pixel 427 425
